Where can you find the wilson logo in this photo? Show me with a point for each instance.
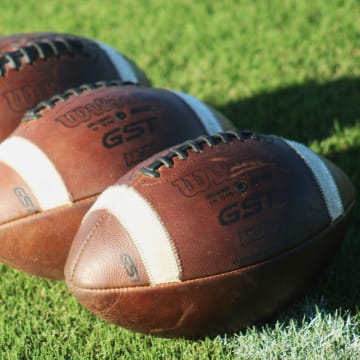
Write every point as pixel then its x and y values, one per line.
pixel 83 114
pixel 21 99
pixel 200 180
pixel 124 126
pixel 217 173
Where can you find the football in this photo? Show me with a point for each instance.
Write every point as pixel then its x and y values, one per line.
pixel 209 236
pixel 68 149
pixel 14 41
pixel 36 66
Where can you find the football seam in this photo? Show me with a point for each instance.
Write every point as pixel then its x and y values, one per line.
pixel 321 189
pixel 283 253
pixel 143 257
pixel 191 110
pixel 203 111
pixel 25 55
pixel 38 111
pixel 197 146
pixel 171 242
pixel 76 202
pixel 175 172
pixel 7 259
pixel 84 244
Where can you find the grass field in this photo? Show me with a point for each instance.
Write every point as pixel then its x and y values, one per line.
pixel 290 68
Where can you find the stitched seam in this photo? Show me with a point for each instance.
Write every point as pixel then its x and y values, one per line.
pixel 171 241
pixel 40 50
pixel 37 111
pixel 84 244
pixel 197 146
pixel 176 172
pixel 321 190
pixel 119 289
pixel 49 210
pixel 7 259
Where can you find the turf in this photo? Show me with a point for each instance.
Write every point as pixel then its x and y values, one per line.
pixel 290 68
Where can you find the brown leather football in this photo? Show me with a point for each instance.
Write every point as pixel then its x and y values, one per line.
pixel 36 66
pixel 13 41
pixel 69 149
pixel 209 236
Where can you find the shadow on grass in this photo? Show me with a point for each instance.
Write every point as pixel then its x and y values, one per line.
pixel 307 112
pixel 340 283
pixel 304 112
pixel 335 290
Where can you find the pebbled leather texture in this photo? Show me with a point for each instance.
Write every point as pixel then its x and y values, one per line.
pixel 217 304
pixel 248 223
pixel 36 66
pixel 91 136
pixel 38 244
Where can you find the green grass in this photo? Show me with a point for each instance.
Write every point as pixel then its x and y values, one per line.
pixel 290 68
